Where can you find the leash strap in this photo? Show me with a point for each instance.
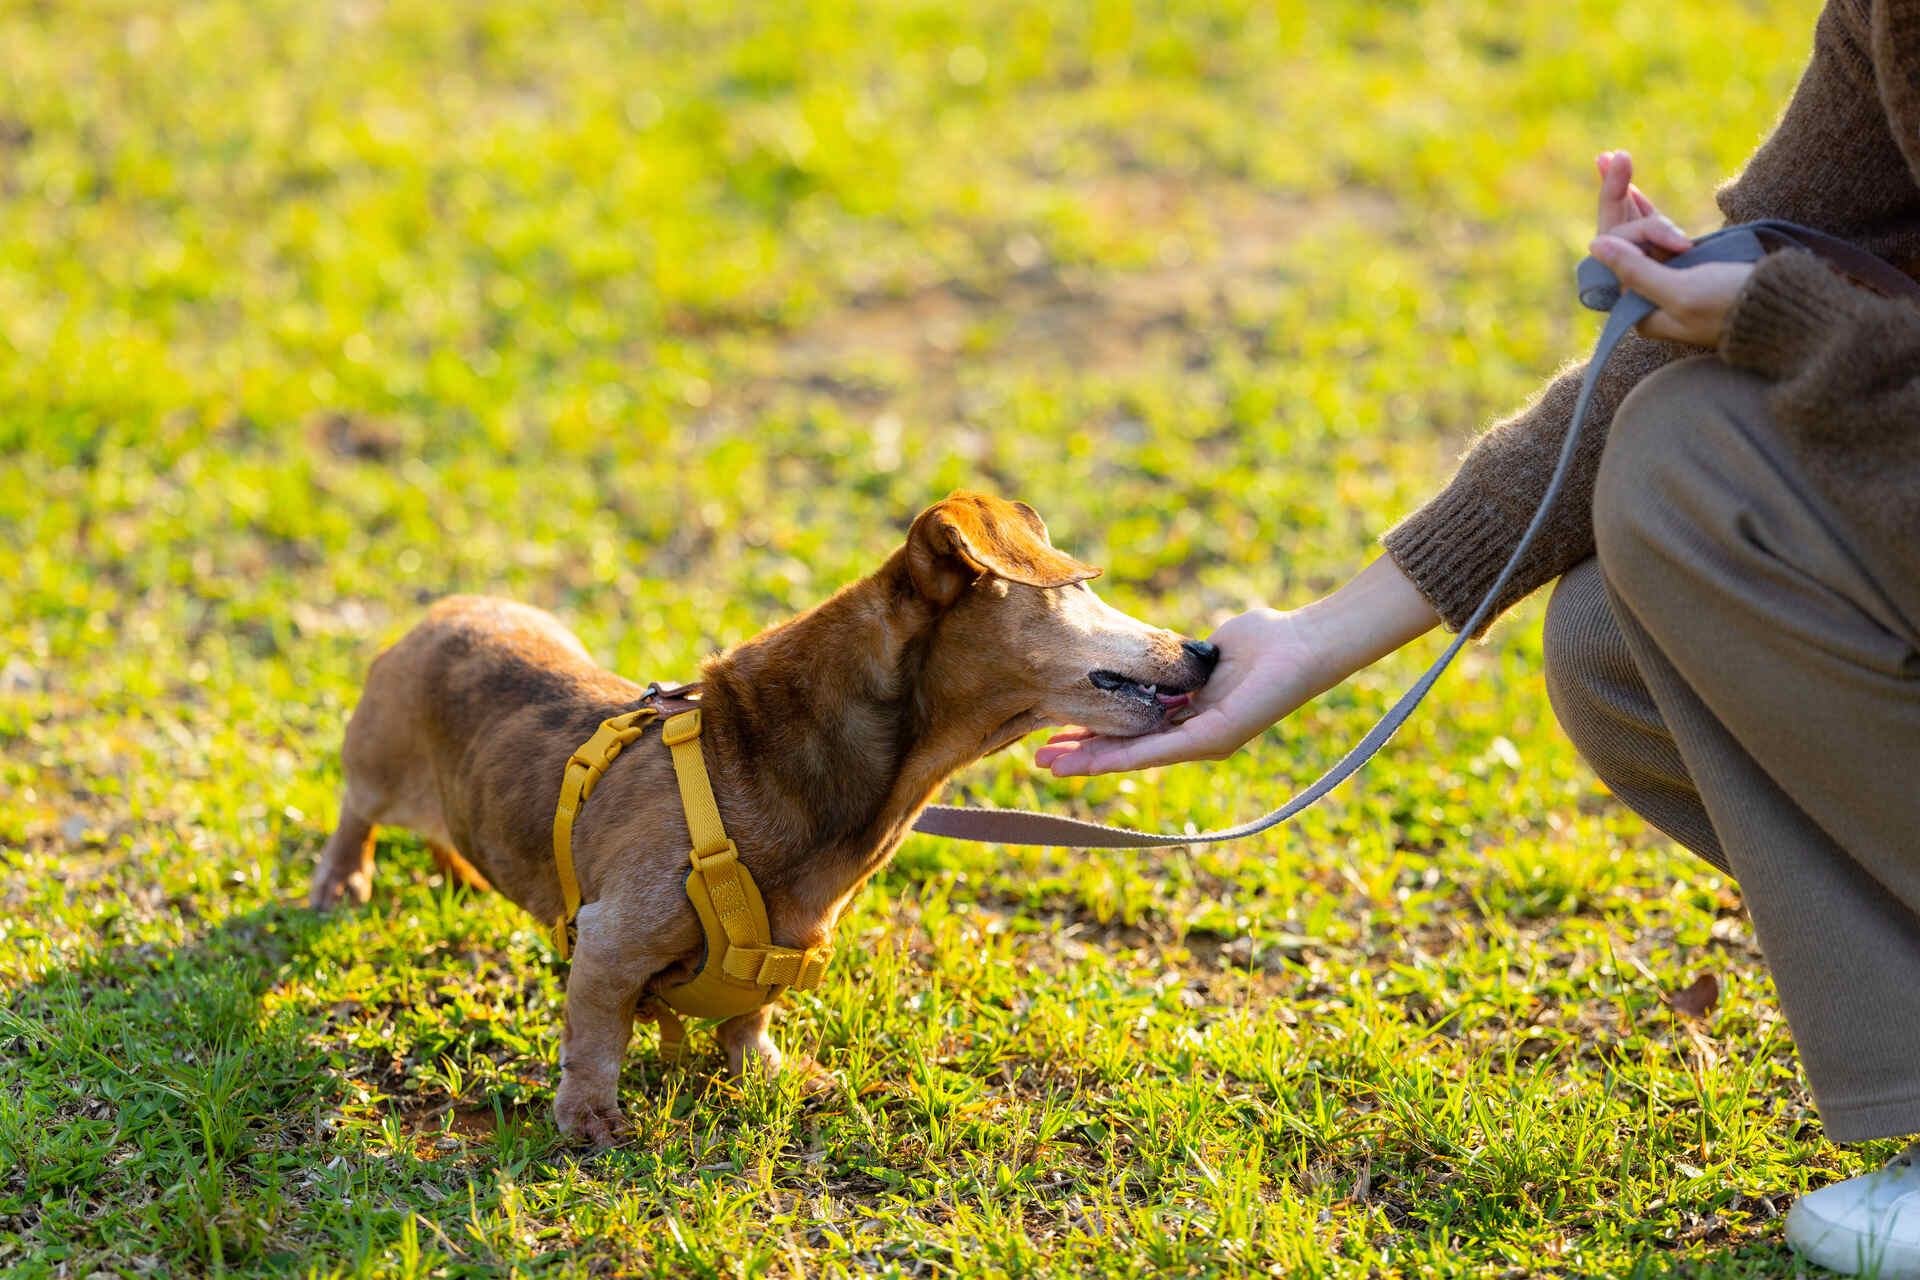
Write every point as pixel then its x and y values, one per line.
pixel 1599 290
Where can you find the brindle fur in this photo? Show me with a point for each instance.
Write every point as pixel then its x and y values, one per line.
pixel 824 737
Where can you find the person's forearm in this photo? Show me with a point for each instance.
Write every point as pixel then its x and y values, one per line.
pixel 1378 611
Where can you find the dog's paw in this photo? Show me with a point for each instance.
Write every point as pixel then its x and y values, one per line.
pixel 602 1124
pixel 329 889
pixel 814 1078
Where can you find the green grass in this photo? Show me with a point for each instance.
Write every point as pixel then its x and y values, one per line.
pixel 668 318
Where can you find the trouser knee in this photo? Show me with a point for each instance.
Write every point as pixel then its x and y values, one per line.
pixel 1603 703
pixel 1586 658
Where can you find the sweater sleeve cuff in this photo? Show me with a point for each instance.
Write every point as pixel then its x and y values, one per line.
pixel 1785 314
pixel 1449 547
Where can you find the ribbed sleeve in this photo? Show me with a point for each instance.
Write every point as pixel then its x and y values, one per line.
pixel 1790 311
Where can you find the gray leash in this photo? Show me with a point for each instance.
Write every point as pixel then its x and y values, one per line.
pixel 1599 290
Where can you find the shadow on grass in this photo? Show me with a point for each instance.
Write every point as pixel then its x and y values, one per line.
pixel 200 1108
pixel 156 1109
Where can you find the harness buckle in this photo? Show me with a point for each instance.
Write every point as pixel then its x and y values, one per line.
pixel 779 966
pixel 589 775
pixel 684 727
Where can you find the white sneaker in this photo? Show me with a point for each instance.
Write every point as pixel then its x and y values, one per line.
pixel 1865 1226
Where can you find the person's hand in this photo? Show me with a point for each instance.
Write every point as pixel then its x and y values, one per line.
pixel 1693 301
pixel 1635 241
pixel 1267 668
pixel 1270 664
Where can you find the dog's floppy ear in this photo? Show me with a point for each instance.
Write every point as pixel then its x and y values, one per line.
pixel 968 536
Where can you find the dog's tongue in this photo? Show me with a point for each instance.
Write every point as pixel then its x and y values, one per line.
pixel 1172 700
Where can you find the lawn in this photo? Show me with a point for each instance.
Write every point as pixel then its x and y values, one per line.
pixel 668 318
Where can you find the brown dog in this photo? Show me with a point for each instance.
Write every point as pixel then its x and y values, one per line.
pixel 824 738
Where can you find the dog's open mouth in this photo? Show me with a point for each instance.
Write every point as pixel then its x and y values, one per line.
pixel 1149 695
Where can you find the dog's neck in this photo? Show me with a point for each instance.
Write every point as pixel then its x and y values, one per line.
pixel 837 728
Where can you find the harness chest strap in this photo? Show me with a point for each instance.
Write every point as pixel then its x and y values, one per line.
pixel 743 969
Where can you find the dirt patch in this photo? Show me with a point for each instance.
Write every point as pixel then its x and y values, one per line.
pixel 448 1126
pixel 355 435
pixel 1224 254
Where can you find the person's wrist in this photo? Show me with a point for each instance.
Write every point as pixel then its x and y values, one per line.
pixel 1368 618
pixel 1331 631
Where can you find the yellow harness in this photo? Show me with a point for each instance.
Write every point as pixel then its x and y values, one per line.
pixel 743 969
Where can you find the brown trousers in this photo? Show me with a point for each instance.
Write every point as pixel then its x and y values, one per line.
pixel 1735 670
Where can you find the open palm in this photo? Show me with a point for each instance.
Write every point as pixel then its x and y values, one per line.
pixel 1266 670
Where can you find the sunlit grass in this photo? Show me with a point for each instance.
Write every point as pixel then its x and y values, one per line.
pixel 669 319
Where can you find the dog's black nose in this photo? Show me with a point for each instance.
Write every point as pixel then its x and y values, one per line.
pixel 1205 650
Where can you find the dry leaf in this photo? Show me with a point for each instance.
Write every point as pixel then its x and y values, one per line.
pixel 1698 998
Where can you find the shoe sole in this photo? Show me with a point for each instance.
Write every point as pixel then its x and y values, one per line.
pixel 1841 1249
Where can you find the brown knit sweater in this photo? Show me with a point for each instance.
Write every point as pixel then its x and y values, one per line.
pixel 1844 158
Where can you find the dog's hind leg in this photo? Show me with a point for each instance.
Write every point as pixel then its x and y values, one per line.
pixel 750 1048
pixel 346 863
pixel 747 1043
pixel 455 867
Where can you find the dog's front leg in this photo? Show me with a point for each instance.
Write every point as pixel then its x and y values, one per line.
pixel 601 998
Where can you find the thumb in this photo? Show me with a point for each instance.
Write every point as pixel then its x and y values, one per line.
pixel 1636 271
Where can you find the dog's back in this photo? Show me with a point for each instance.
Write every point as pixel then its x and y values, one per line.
pixel 462 734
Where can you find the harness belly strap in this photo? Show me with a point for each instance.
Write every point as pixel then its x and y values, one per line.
pixel 743 969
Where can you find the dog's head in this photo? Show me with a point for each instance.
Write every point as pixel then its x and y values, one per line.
pixel 1017 627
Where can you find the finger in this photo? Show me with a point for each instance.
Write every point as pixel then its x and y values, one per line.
pixel 1047 753
pixel 1054 748
pixel 1640 202
pixel 1105 755
pixel 1657 230
pixel 1657 227
pixel 1197 739
pixel 1616 177
pixel 1663 326
pixel 1108 755
pixel 1638 272
pixel 1071 735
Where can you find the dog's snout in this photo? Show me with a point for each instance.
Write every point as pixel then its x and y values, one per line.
pixel 1205 651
